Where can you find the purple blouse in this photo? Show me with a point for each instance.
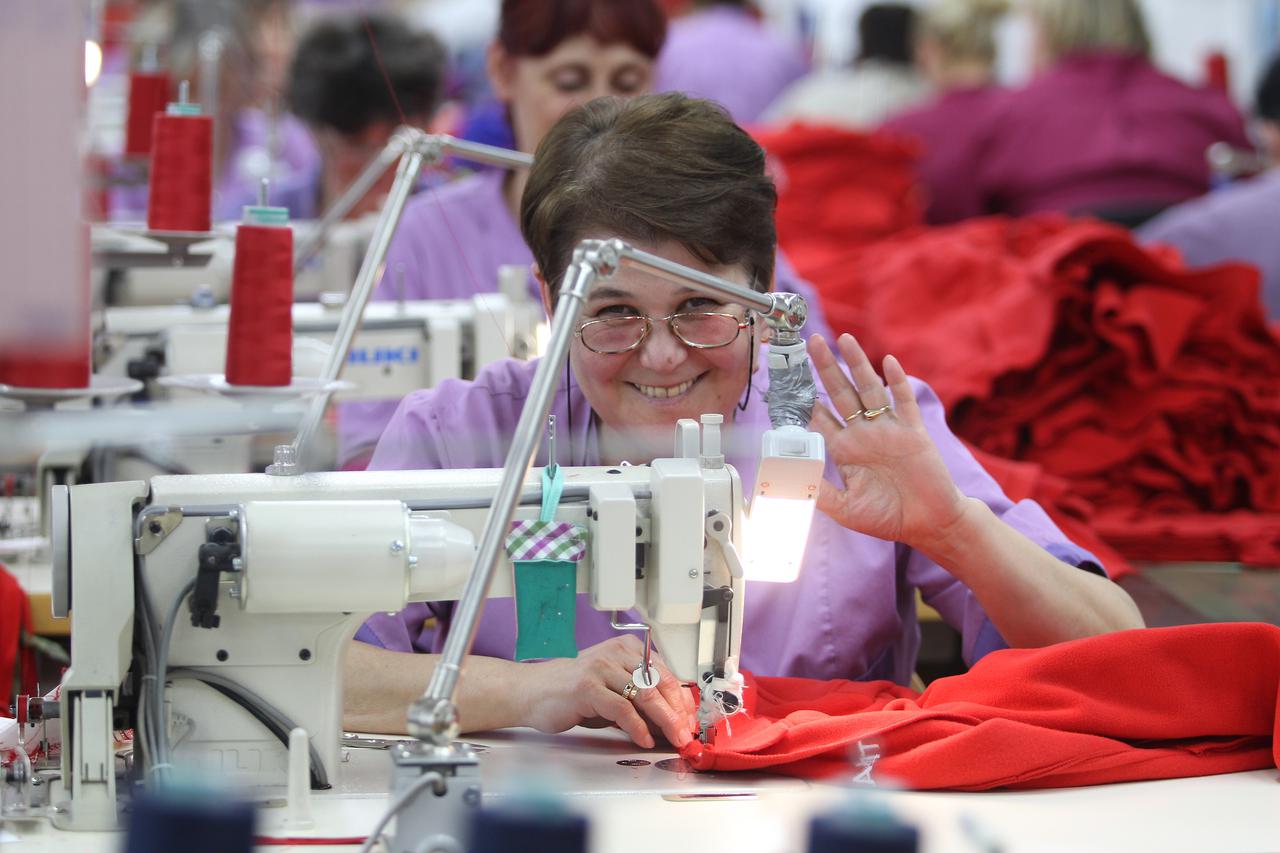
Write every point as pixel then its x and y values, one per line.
pixel 1235 223
pixel 449 245
pixel 728 55
pixel 950 129
pixel 1099 131
pixel 851 614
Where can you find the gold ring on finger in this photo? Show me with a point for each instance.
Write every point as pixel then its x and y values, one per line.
pixel 630 690
pixel 875 413
pixel 850 418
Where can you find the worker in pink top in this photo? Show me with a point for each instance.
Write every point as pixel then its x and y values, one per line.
pixel 955 48
pixel 1100 130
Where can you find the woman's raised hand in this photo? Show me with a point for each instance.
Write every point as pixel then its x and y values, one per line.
pixel 588 690
pixel 895 485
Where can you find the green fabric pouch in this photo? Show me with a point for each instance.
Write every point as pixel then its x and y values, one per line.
pixel 546 553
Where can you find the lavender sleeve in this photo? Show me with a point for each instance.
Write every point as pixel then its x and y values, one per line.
pixel 941 590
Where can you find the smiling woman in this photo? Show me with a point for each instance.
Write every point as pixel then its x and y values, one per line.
pixel 648 352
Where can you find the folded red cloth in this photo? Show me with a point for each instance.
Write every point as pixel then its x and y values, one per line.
pixel 1147 704
pixel 838 188
pixel 1148 388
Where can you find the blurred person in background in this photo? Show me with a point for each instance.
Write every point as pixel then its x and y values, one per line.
pixel 1100 130
pixel 955 49
pixel 882 81
pixel 1238 222
pixel 722 50
pixel 336 85
pixel 549 57
pixel 252 139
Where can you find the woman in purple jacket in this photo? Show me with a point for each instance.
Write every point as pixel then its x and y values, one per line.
pixel 914 511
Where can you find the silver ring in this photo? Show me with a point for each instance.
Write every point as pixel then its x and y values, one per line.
pixel 850 418
pixel 875 413
pixel 630 690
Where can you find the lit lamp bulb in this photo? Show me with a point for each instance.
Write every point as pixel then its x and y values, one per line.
pixel 791 462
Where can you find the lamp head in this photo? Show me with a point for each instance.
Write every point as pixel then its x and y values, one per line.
pixel 790 475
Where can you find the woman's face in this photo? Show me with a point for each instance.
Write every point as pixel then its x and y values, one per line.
pixel 640 394
pixel 538 90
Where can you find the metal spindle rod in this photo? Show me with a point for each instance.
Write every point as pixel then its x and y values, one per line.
pixel 359 188
pixel 680 274
pixel 406 177
pixel 523 447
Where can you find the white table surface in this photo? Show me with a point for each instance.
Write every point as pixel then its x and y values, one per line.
pixel 638 809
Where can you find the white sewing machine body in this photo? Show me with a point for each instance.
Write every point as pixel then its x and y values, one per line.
pixel 317 553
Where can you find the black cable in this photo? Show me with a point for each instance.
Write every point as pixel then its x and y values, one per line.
pixel 751 366
pixel 319 779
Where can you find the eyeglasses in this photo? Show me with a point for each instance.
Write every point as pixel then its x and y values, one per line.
pixel 697 329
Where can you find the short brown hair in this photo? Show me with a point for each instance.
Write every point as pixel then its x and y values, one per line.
pixel 653 168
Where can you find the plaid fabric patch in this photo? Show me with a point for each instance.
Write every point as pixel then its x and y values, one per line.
pixel 531 539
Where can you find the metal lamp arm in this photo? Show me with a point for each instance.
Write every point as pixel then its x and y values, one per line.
pixel 434 146
pixel 414 150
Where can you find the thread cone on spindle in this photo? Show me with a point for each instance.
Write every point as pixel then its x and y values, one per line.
pixel 181 190
pixel 148 94
pixel 260 331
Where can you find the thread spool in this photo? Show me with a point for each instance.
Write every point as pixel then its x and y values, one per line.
pixel 148 94
pixel 260 331
pixel 181 168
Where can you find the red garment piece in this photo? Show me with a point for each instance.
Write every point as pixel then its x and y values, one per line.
pixel 838 188
pixel 1149 388
pixel 15 617
pixel 1156 703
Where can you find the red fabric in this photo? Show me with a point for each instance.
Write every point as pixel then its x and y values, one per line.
pixel 1073 514
pixel 148 95
pixel 1150 704
pixel 260 330
pixel 15 617
pixel 1149 389
pixel 838 188
pixel 181 173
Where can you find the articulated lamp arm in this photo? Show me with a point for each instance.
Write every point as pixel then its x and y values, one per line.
pixel 413 150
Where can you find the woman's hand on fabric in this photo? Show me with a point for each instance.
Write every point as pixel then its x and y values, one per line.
pixel 895 485
pixel 587 690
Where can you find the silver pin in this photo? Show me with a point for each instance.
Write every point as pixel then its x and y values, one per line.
pixel 262 192
pixel 184 91
pixel 552 462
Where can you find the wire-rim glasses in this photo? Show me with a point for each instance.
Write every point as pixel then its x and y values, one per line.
pixel 696 329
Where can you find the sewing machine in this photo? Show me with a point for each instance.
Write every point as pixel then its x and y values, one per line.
pixel 286 569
